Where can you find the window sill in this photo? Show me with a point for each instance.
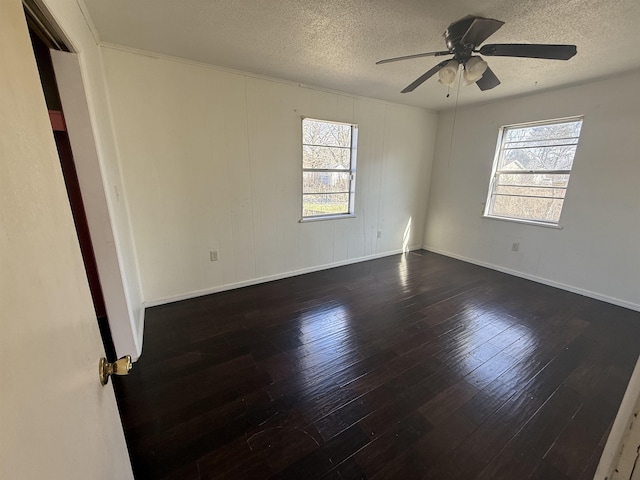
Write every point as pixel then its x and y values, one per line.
pixel 526 222
pixel 320 218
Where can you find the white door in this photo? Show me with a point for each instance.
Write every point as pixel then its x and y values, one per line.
pixel 56 421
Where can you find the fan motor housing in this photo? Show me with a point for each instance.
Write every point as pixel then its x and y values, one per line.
pixel 454 33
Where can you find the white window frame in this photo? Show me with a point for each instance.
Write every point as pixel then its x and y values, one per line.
pixel 495 172
pixel 353 149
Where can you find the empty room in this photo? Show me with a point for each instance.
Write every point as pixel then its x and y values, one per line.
pixel 320 240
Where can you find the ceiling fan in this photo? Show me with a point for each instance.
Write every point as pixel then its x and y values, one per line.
pixel 462 38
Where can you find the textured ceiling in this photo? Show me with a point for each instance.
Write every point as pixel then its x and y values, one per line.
pixel 334 44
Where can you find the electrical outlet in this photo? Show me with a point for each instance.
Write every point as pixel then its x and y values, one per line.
pixel 379 233
pixel 213 255
pixel 515 246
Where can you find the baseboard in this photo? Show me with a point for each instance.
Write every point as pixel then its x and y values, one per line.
pixel 256 281
pixel 535 278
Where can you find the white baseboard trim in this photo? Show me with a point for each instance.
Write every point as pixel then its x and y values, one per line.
pixel 535 278
pixel 256 281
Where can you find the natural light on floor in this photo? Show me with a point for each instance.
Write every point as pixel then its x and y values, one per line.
pixel 506 351
pixel 324 334
pixel 406 237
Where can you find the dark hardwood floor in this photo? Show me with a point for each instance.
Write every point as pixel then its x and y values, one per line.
pixel 413 366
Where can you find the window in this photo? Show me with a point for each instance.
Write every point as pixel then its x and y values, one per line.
pixel 328 168
pixel 531 170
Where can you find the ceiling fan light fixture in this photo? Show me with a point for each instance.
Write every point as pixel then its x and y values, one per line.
pixel 474 69
pixel 447 74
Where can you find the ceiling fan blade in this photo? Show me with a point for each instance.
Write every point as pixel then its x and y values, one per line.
pixel 488 80
pixel 424 77
pixel 416 55
pixel 480 30
pixel 551 52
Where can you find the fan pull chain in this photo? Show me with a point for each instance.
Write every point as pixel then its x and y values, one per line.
pixel 453 126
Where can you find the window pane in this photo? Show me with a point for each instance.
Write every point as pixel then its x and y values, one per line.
pixel 547 132
pixel 325 182
pixel 540 147
pixel 531 191
pixel 326 157
pixel 315 132
pixel 328 167
pixel 527 184
pixel 540 209
pixel 541 142
pixel 559 157
pixel 539 158
pixel 325 204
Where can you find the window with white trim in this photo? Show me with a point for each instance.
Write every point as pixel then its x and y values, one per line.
pixel 328 168
pixel 531 170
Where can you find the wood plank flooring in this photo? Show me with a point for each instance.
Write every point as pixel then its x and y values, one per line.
pixel 413 366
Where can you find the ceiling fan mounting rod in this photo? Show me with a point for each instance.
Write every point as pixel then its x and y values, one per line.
pixel 462 53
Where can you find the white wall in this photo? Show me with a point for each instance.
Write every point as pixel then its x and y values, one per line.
pixel 211 159
pixel 598 250
pixel 102 190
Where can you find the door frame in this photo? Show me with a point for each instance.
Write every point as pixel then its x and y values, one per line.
pixel 616 461
pixel 126 326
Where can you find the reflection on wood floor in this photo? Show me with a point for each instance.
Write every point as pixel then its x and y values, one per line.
pixel 412 366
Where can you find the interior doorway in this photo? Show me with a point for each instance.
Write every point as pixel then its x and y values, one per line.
pixel 42 43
